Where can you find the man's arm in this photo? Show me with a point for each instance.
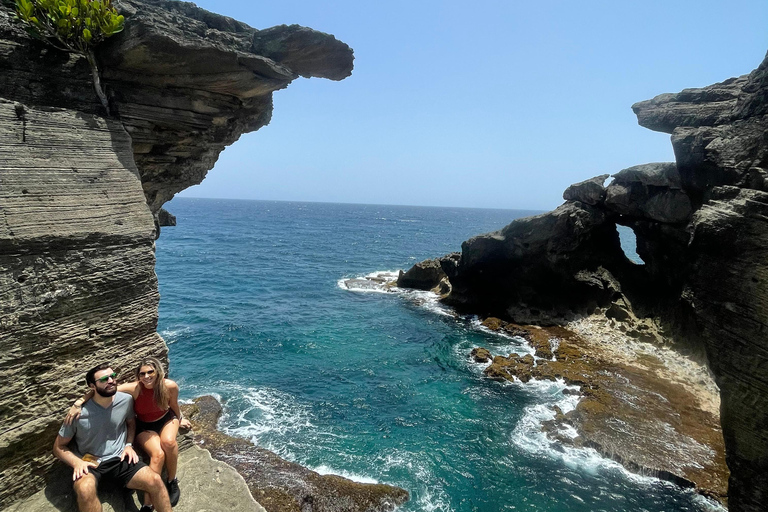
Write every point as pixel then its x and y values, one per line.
pixel 130 426
pixel 62 452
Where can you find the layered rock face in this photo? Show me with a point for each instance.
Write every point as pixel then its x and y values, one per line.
pixel 78 285
pixel 719 138
pixel 702 232
pixel 78 191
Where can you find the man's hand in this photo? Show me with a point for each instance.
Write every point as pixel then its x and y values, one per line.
pixel 81 468
pixel 129 452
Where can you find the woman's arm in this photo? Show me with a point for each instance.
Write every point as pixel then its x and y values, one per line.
pixel 74 411
pixel 173 402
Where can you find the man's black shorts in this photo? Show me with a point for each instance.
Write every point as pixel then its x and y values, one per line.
pixel 120 471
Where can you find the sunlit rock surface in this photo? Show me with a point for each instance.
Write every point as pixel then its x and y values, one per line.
pixel 78 191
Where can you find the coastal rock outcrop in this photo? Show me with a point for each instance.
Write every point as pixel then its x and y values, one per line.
pixel 701 231
pixel 165 218
pixel 78 191
pixel 625 407
pixel 422 276
pixel 589 191
pixel 539 270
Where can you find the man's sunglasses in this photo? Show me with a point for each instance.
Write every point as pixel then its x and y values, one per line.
pixel 105 378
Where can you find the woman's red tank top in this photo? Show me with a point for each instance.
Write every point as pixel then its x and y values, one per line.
pixel 144 406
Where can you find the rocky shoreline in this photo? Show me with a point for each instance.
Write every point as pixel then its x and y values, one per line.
pixel 652 411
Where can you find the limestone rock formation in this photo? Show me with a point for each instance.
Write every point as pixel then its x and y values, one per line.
pixel 78 191
pixel 719 137
pixel 589 191
pixel 422 276
pixel 538 270
pixel 702 232
pixel 165 218
pixel 649 191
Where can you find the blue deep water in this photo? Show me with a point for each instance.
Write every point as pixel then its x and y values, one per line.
pixel 371 385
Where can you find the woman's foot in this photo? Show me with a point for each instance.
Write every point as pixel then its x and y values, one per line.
pixel 173 491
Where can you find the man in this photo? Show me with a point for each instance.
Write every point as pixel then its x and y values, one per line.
pixel 103 448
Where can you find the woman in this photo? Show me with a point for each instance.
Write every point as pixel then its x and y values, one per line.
pixel 158 417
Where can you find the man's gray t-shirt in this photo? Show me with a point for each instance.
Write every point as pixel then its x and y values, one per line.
pixel 101 431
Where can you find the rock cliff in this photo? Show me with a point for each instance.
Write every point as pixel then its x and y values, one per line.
pixel 703 236
pixel 78 191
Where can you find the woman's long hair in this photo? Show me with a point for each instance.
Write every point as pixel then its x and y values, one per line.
pixel 161 394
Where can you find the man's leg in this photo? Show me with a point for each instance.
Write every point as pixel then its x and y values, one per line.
pixel 150 482
pixel 85 490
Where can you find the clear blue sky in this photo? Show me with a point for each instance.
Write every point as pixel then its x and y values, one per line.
pixel 498 104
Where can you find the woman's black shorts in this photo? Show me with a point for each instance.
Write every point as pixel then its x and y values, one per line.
pixel 157 425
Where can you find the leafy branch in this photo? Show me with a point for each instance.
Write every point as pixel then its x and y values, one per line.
pixel 75 26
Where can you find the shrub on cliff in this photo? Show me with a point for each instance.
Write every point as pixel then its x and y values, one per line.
pixel 75 26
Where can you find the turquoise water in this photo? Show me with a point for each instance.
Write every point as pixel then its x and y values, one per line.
pixel 374 386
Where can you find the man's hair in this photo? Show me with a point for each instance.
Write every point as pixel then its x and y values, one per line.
pixel 89 377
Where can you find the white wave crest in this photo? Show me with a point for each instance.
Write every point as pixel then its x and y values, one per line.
pixel 383 281
pixel 326 470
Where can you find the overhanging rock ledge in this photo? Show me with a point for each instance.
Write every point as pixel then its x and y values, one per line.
pixel 79 191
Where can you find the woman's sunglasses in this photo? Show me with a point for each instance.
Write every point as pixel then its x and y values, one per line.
pixel 147 373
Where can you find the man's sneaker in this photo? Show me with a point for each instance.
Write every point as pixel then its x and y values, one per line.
pixel 146 508
pixel 173 491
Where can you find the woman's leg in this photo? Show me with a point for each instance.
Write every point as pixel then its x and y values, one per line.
pixel 150 442
pixel 169 446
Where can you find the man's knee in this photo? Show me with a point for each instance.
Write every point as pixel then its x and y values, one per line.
pixel 146 480
pixel 85 487
pixel 155 481
pixel 168 444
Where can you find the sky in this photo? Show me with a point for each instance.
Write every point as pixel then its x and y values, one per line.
pixel 486 104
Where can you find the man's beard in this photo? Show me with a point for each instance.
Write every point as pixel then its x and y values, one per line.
pixel 106 393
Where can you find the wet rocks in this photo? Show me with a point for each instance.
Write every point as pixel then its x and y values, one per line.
pixel 165 218
pixel 624 411
pixel 424 275
pixel 480 355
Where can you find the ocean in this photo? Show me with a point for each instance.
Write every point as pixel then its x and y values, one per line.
pixel 371 385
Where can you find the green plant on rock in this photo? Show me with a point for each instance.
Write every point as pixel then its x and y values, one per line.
pixel 76 26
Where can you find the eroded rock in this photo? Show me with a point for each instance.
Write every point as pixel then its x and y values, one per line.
pixel 624 412
pixel 424 275
pixel 590 191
